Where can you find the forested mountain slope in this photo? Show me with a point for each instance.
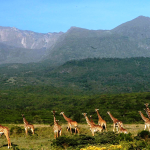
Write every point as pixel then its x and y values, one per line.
pixel 87 76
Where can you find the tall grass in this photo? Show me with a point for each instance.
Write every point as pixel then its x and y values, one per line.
pixel 44 137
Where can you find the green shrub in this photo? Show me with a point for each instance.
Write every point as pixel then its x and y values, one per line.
pixel 107 137
pixel 137 145
pixel 125 137
pixel 16 130
pixel 81 140
pixel 143 135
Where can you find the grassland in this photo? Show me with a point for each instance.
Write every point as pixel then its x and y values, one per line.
pixel 44 137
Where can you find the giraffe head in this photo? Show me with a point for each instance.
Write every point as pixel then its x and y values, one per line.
pixel 108 112
pixel 22 115
pixel 61 113
pixel 139 111
pixel 57 121
pixel 84 114
pixel 96 110
pixel 146 104
pixel 53 112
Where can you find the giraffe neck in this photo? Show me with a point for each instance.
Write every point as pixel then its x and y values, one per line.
pixel 67 119
pixel 113 119
pixel 87 120
pixel 55 120
pixel 91 119
pixel 100 118
pixel 25 121
pixel 143 117
pixel 148 112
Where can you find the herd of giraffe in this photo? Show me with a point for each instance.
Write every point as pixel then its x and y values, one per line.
pixel 101 126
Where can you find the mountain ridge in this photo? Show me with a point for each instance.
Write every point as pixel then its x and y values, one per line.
pixel 130 39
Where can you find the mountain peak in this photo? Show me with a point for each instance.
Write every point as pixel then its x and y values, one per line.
pixel 141 20
pixel 136 28
pixel 137 22
pixel 73 28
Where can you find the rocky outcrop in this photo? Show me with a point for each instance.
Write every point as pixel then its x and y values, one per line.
pixel 27 39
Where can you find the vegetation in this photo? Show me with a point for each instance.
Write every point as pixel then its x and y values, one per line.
pixel 44 139
pixel 120 86
pixel 83 77
pixel 37 106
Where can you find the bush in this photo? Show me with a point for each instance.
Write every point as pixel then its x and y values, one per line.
pixel 125 137
pixel 107 137
pixel 143 135
pixel 137 145
pixel 81 140
pixel 16 130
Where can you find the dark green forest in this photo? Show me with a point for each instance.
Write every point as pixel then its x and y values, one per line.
pixel 120 86
pixel 37 107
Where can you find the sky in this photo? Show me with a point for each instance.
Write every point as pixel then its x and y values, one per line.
pixel 45 16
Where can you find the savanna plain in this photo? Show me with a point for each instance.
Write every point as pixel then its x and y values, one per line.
pixel 43 139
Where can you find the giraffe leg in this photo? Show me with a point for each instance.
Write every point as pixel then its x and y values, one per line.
pixel 114 127
pixel 145 127
pixel 57 133
pixel 32 131
pixel 54 135
pixel 60 133
pixel 70 129
pixel 93 133
pixel 75 130
pixel 26 130
pixel 105 128
pixel 148 128
pixel 117 129
pixel 78 130
pixel 8 139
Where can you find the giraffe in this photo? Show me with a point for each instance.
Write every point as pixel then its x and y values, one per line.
pixel 101 121
pixel 27 125
pixel 70 123
pixel 92 120
pixel 147 110
pixel 94 128
pixel 57 128
pixel 121 129
pixel 146 120
pixel 4 130
pixel 115 122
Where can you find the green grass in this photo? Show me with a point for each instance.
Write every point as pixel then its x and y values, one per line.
pixel 44 138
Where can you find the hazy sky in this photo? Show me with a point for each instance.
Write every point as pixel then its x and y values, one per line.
pixel 59 15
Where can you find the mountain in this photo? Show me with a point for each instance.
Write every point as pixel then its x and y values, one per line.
pixel 27 39
pixel 137 28
pixel 10 54
pixel 130 39
pixel 21 46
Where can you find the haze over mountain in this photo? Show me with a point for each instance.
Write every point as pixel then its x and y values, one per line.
pixel 131 39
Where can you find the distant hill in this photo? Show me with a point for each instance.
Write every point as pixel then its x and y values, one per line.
pixel 21 46
pixel 87 76
pixel 130 39
pixel 138 28
pixel 10 54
